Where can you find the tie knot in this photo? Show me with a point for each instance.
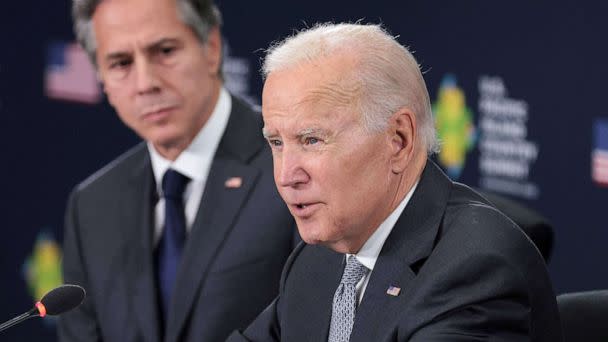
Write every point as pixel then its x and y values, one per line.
pixel 353 272
pixel 174 184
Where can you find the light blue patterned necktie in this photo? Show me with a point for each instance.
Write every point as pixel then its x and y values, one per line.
pixel 345 301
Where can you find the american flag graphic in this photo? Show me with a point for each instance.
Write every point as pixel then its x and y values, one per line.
pixel 393 291
pixel 233 182
pixel 599 164
pixel 70 75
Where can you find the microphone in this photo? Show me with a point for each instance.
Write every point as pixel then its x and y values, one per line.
pixel 59 300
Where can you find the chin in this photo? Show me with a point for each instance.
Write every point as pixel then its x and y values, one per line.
pixel 316 234
pixel 166 138
pixel 310 233
pixel 309 238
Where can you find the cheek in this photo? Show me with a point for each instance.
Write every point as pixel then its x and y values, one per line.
pixel 356 174
pixel 276 168
pixel 193 85
pixel 362 182
pixel 345 209
pixel 114 96
pixel 194 76
pixel 196 94
pixel 123 106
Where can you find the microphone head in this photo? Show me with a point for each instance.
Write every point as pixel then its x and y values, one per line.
pixel 61 299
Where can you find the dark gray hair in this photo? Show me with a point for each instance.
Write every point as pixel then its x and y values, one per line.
pixel 200 15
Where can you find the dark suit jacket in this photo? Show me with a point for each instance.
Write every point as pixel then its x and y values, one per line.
pixel 232 260
pixel 465 271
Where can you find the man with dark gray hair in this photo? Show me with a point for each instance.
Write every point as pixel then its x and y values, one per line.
pixel 183 237
pixel 394 250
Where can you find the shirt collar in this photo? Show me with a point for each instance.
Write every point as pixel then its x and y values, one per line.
pixel 195 160
pixel 370 251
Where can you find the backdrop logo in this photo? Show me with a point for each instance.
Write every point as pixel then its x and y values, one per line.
pixel 599 156
pixel 69 74
pixel 506 153
pixel 454 123
pixel 42 268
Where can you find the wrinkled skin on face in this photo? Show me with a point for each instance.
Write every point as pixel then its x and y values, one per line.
pixel 339 180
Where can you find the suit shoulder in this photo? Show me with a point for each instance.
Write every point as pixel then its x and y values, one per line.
pixel 463 194
pixel 116 169
pixel 476 238
pixel 472 219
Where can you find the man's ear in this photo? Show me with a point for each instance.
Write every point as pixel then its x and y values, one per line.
pixel 213 49
pixel 403 132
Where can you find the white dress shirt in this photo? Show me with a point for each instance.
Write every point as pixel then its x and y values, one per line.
pixel 368 254
pixel 194 162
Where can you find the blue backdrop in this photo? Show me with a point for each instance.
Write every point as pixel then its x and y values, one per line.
pixel 519 87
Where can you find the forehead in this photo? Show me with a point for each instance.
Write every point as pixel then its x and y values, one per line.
pixel 313 94
pixel 120 23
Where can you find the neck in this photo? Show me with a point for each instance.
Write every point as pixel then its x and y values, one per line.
pixel 407 179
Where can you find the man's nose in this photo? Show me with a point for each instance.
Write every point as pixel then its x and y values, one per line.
pixel 291 171
pixel 147 78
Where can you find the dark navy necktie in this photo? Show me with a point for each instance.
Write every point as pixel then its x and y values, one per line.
pixel 174 234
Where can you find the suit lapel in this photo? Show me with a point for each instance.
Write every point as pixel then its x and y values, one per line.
pixel 320 323
pixel 411 241
pixel 137 219
pixel 219 208
pixel 311 295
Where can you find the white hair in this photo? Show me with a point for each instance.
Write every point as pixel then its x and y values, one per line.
pixel 388 74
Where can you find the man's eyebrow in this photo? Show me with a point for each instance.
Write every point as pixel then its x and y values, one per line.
pixel 158 43
pixel 117 55
pixel 151 47
pixel 267 133
pixel 311 131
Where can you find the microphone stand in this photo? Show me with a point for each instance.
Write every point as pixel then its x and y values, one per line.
pixel 32 313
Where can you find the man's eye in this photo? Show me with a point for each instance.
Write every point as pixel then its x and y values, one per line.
pixel 275 142
pixel 311 140
pixel 167 50
pixel 120 64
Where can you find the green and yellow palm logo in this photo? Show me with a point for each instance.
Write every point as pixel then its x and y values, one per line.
pixel 454 124
pixel 42 268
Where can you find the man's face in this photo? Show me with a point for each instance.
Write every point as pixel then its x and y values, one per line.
pixel 160 78
pixel 333 174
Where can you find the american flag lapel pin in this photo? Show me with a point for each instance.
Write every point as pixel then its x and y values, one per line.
pixel 233 182
pixel 393 291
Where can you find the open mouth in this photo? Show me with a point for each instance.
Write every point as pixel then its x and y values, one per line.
pixel 304 209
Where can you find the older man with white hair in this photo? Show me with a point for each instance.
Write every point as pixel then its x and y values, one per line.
pixel 394 250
